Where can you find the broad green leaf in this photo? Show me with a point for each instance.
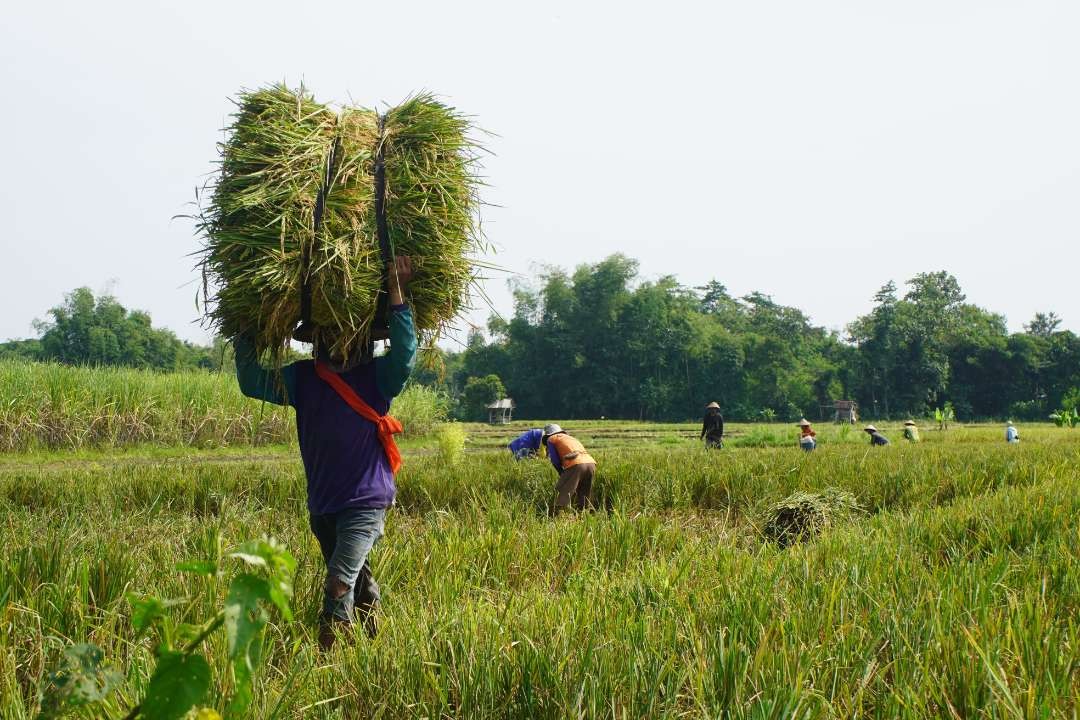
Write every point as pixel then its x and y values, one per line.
pixel 81 680
pixel 185 633
pixel 145 611
pixel 200 567
pixel 280 591
pixel 243 615
pixel 178 684
pixel 266 553
pixel 244 621
pixel 243 680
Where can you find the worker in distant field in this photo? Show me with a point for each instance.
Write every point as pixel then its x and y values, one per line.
pixel 527 444
pixel 911 431
pixel 807 436
pixel 575 466
pixel 347 445
pixel 1012 435
pixel 712 427
pixel 876 438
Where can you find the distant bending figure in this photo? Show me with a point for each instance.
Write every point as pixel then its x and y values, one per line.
pixel 575 466
pixel 807 436
pixel 876 438
pixel 527 444
pixel 911 431
pixel 712 426
pixel 1012 435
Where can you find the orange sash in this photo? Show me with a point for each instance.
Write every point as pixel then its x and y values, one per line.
pixel 387 425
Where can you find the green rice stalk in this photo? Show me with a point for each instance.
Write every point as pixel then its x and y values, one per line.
pixel 260 218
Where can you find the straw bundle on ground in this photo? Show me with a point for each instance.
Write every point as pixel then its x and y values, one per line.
pixel 261 241
pixel 802 515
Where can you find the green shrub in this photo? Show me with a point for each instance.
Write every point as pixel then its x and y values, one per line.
pixel 420 409
pixel 451 437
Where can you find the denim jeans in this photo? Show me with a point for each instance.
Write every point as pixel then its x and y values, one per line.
pixel 346 538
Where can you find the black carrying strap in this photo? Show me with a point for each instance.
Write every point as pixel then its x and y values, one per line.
pixel 382 310
pixel 305 332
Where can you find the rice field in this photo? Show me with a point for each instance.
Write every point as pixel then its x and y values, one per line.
pixel 953 592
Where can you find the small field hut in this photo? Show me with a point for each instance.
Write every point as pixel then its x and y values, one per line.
pixel 501 411
pixel 846 411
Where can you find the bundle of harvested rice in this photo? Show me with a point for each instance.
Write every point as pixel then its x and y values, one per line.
pixel 295 204
pixel 803 515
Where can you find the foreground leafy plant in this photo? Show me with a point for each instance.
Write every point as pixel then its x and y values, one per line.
pixel 182 676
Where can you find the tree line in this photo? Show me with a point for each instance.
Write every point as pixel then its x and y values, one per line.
pixel 601 342
pixel 597 342
pixel 89 330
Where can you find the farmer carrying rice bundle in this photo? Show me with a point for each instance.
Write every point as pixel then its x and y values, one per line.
pixel 318 222
pixel 712 426
pixel 575 466
pixel 347 445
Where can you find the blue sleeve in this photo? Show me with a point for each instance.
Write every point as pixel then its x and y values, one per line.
pixel 257 382
pixel 553 456
pixel 392 370
pixel 535 438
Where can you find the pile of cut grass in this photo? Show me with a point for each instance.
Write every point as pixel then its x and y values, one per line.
pixel 260 231
pixel 803 515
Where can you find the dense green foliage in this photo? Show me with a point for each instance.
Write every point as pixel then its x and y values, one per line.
pixel 952 593
pixel 84 330
pixel 478 393
pixel 598 343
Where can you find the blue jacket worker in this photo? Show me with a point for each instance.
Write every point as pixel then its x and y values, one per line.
pixel 347 446
pixel 527 444
pixel 876 438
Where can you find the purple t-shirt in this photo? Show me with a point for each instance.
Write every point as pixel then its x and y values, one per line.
pixel 345 463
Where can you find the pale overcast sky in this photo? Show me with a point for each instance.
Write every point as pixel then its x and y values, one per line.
pixel 810 150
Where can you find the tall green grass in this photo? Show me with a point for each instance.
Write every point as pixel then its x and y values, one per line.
pixel 52 406
pixel 48 406
pixel 956 595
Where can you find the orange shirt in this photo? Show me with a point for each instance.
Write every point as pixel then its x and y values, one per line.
pixel 569 450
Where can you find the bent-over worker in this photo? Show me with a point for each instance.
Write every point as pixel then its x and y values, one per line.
pixel 527 444
pixel 575 466
pixel 911 431
pixel 347 445
pixel 876 438
pixel 712 426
